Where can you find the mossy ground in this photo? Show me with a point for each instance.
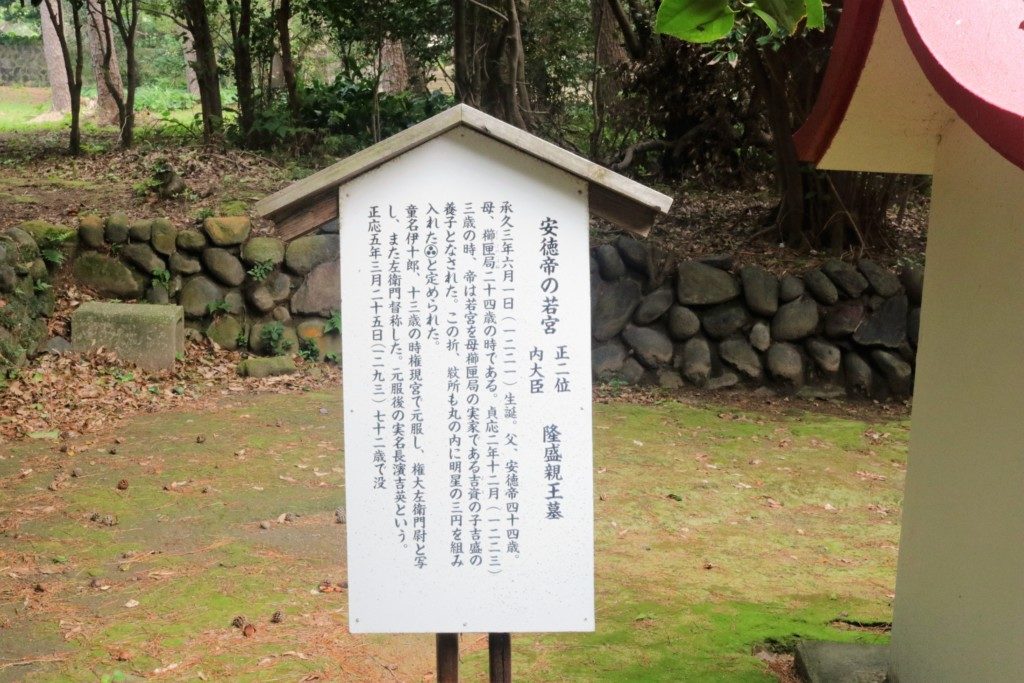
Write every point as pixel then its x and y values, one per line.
pixel 717 531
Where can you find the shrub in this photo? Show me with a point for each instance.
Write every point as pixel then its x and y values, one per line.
pixel 272 336
pixel 309 351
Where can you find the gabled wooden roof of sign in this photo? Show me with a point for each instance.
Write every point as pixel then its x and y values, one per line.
pixel 308 203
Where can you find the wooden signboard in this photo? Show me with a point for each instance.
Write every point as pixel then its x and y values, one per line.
pixel 468 454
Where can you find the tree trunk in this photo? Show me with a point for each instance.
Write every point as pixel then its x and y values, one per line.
pixel 107 79
pixel 609 57
pixel 128 24
pixel 205 66
pixel 60 95
pixel 240 15
pixel 72 67
pixel 490 63
pixel 788 173
pixel 189 52
pixel 394 76
pixel 284 38
pixel 464 91
pixel 610 54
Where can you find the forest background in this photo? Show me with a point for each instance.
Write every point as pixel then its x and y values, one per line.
pixel 316 81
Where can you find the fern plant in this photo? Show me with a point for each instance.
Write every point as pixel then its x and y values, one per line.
pixel 161 278
pixel 215 307
pixel 261 270
pixel 309 351
pixel 50 244
pixel 333 323
pixel 272 336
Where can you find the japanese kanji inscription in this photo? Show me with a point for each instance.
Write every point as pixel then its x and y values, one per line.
pixel 468 444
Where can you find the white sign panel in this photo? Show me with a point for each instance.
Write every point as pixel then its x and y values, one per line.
pixel 468 454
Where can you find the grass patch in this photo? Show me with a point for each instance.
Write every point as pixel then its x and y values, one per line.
pixel 717 531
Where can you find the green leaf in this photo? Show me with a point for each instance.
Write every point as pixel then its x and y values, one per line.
pixel 815 14
pixel 768 19
pixel 695 21
pixel 788 14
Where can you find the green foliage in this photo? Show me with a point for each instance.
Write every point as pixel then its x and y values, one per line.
pixel 161 278
pixel 695 21
pixel 705 21
pixel 50 243
pixel 41 286
pixel 340 116
pixel 261 270
pixel 19 24
pixel 121 376
pixel 309 351
pixel 359 27
pixel 333 323
pixel 272 336
pixel 332 357
pixel 242 339
pixel 215 307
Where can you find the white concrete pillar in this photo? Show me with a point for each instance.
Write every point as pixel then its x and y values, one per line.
pixel 959 611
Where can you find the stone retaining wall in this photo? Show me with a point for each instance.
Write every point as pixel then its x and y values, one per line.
pixel 240 291
pixel 22 63
pixel 27 255
pixel 835 330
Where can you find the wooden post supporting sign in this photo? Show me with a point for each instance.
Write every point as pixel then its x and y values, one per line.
pixel 499 646
pixel 447 658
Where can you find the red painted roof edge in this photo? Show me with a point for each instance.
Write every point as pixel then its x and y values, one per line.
pixel 853 41
pixel 999 127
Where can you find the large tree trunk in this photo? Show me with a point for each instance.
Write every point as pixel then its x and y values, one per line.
pixel 189 52
pixel 107 79
pixel 394 75
pixel 60 95
pixel 490 63
pixel 609 58
pixel 464 91
pixel 205 65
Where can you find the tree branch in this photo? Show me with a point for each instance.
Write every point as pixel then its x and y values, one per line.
pixel 632 40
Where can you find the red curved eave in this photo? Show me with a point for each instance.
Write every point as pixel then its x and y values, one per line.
pixel 971 52
pixel 853 42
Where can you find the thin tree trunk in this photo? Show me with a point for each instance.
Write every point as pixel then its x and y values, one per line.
pixel 60 95
pixel 72 68
pixel 126 16
pixel 521 113
pixel 788 173
pixel 109 87
pixel 284 14
pixel 205 65
pixel 240 15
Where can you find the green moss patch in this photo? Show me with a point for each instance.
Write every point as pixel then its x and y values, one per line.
pixel 718 531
